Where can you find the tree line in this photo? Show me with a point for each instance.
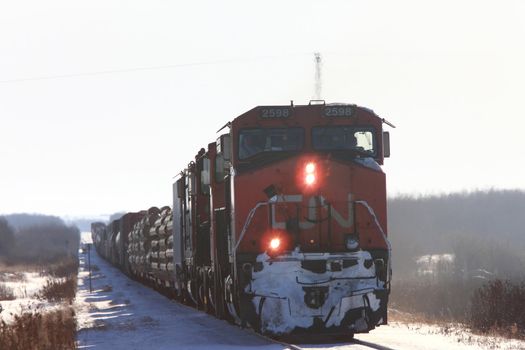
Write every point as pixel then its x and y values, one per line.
pixel 28 238
pixel 484 230
pixel 481 281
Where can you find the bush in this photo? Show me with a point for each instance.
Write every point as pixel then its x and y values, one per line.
pixel 51 331
pixel 59 289
pixel 499 305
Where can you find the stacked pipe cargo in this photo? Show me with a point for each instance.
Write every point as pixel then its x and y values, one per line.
pixel 161 256
pixel 98 233
pixel 134 248
pixel 145 252
pixel 140 243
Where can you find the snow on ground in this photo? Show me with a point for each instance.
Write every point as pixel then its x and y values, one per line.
pixel 122 314
pixel 25 284
pixel 412 336
pixel 25 287
pixel 421 337
pixel 429 337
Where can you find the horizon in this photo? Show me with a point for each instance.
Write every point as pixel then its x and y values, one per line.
pixel 410 196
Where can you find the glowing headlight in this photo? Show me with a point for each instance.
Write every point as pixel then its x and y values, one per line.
pixel 352 242
pixel 275 243
pixel 309 179
pixel 310 167
pixel 309 170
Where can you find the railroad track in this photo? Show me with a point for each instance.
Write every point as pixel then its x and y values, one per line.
pixel 354 344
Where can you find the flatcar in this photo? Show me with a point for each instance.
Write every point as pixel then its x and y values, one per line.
pixel 279 225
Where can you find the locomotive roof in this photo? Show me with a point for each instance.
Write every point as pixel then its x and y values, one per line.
pixel 313 105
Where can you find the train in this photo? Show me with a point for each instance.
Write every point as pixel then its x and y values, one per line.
pixel 279 225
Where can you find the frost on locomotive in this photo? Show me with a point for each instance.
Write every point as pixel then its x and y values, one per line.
pixel 281 223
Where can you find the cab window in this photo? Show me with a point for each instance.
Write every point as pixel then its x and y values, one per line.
pixel 344 138
pixel 256 141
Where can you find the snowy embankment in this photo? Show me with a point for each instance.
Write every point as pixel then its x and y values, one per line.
pixel 122 314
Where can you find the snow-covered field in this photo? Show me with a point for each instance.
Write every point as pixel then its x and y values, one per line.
pixel 25 287
pixel 122 314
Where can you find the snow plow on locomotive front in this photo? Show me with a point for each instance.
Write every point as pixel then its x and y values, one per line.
pixel 281 224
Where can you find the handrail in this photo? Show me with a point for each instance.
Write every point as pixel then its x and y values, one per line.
pixel 249 220
pixel 389 246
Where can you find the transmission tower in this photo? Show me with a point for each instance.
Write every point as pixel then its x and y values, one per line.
pixel 318 81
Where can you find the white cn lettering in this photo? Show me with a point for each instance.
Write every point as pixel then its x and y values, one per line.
pixel 294 198
pixel 349 221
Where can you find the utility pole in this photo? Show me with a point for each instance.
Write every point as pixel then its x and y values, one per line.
pixel 89 266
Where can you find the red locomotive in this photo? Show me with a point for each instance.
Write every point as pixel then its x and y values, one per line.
pixel 279 225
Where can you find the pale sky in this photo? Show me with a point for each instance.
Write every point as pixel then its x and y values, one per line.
pixel 168 74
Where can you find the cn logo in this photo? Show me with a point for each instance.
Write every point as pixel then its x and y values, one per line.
pixel 313 204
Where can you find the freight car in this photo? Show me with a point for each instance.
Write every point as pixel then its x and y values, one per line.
pixel 279 225
pixel 141 245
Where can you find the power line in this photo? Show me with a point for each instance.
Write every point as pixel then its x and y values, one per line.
pixel 151 68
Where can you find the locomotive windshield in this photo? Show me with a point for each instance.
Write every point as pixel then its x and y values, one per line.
pixel 330 138
pixel 255 141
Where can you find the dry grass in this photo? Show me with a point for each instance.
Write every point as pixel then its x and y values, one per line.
pixel 65 268
pixel 443 299
pixel 50 331
pixel 38 330
pixel 395 315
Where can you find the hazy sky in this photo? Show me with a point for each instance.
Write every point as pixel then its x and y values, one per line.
pixel 140 86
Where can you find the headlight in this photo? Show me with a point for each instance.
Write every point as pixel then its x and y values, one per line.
pixel 275 243
pixel 309 174
pixel 352 242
